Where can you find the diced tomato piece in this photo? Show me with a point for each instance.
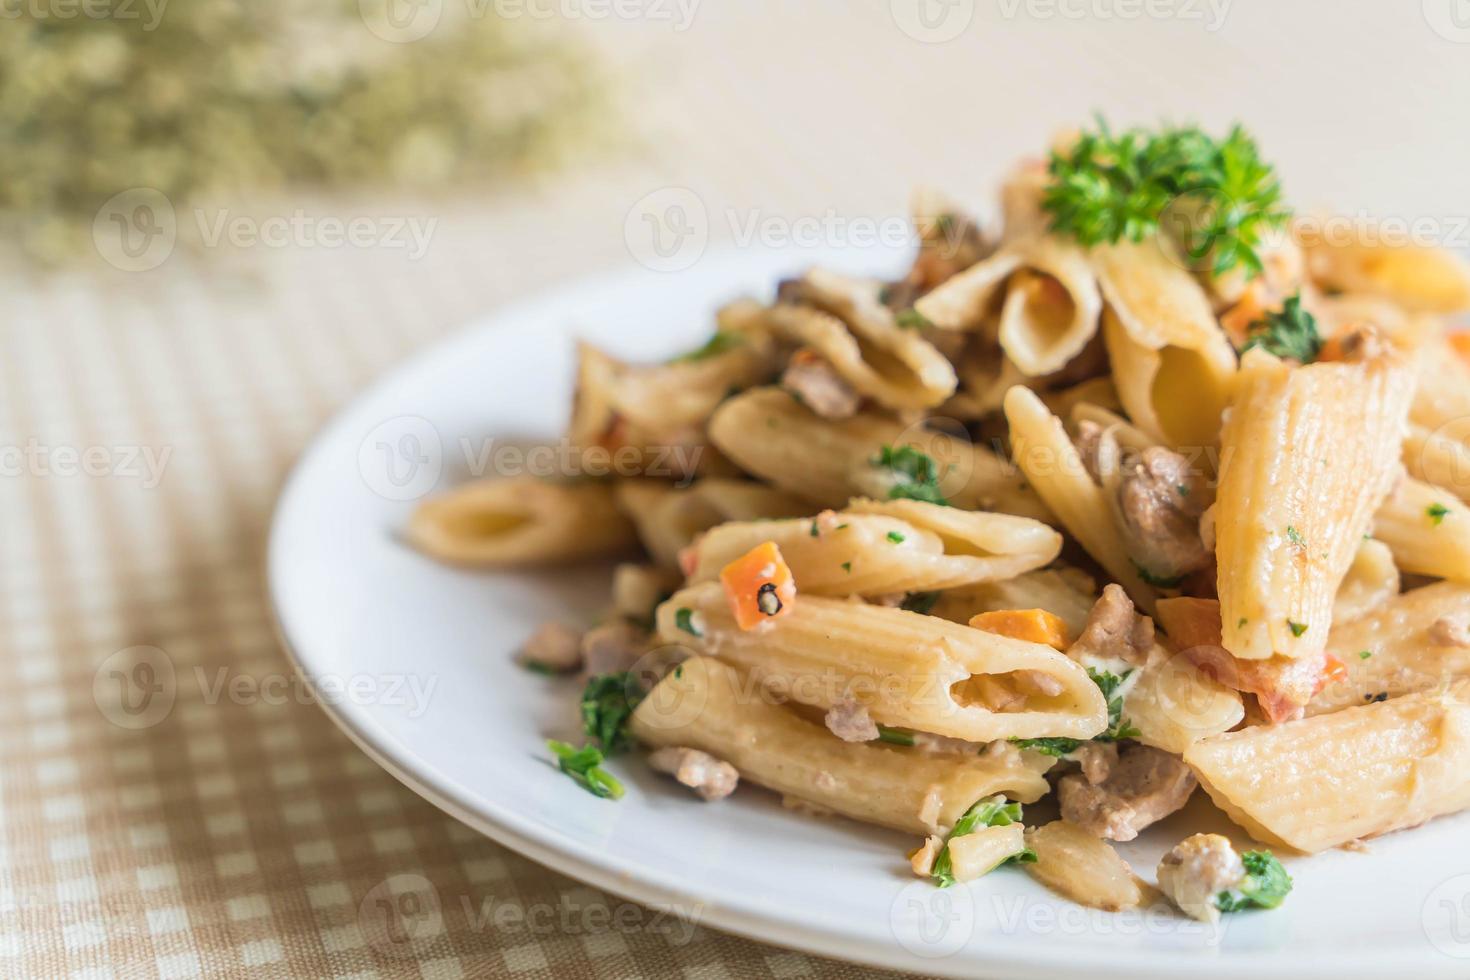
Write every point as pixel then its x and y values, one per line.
pixel 759 586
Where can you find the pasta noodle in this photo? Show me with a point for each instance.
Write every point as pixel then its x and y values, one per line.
pixel 1427 529
pixel 1416 278
pixel 705 706
pixel 669 518
pixel 908 670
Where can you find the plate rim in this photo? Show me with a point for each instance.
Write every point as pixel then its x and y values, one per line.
pixel 631 883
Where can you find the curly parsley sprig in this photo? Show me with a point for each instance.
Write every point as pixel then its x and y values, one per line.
pixel 1218 196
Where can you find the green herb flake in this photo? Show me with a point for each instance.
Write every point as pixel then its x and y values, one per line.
pixel 895 736
pixel 915 474
pixel 920 602
pixel 1265 886
pixel 1295 537
pixel 1182 489
pixel 1157 581
pixel 1107 187
pixel 1241 625
pixel 1291 333
pixel 815 532
pixel 722 342
pixel 847 566
pixel 684 619
pixel 911 319
pixel 895 537
pixel 993 811
pixel 1297 629
pixel 608 701
pixel 1437 513
pixel 584 765
pixel 1055 747
pixel 537 667
pixel 1365 654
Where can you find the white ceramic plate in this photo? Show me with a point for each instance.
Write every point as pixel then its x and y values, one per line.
pixel 414 661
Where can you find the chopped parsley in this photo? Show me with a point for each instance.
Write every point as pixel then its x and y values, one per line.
pixel 816 532
pixel 1365 654
pixel 1241 625
pixel 1055 747
pixel 1107 187
pixel 1295 537
pixel 920 602
pixel 1297 629
pixel 537 667
pixel 895 537
pixel 911 319
pixel 915 474
pixel 1157 581
pixel 1291 333
pixel 1182 489
pixel 1265 886
pixel 722 342
pixel 608 701
pixel 584 765
pixel 1437 513
pixel 993 811
pixel 847 567
pixel 684 619
pixel 895 736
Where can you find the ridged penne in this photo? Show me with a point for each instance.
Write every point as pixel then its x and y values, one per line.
pixel 1427 529
pixel 1330 779
pixel 1045 453
pixel 1067 593
pixel 706 705
pixel 521 522
pixel 909 670
pixel 878 548
pixel 842 320
pixel 770 434
pixel 1417 278
pixel 669 518
pixel 1440 458
pixel 1050 308
pixel 1403 654
pixel 1309 454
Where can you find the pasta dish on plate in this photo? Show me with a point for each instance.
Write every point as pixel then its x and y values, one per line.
pixel 1152 489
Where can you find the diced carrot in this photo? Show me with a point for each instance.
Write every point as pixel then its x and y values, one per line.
pixel 759 586
pixel 1333 349
pixel 1460 344
pixel 1033 625
pixel 1190 622
pixel 1334 671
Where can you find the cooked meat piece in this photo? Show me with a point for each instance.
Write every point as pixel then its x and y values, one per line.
pixel 818 386
pixel 849 721
pixel 1115 630
pixel 1145 786
pixel 1160 501
pixel 1451 631
pixel 612 647
pixel 1038 683
pixel 555 647
pixel 1197 870
pixel 1098 759
pixel 700 771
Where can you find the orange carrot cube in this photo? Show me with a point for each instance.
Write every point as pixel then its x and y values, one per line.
pixel 1033 625
pixel 759 586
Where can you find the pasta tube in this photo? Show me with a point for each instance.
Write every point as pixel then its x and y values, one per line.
pixel 909 670
pixel 1077 865
pixel 1417 278
pixel 1427 529
pixel 706 705
pixel 669 518
pixel 1309 455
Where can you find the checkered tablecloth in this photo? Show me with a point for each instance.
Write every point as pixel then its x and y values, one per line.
pixel 148 419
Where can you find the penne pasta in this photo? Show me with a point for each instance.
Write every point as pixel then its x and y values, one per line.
pixel 1441 458
pixel 705 705
pixel 1416 278
pixel 884 548
pixel 908 670
pixel 1371 580
pixel 1173 705
pixel 1331 779
pixel 1309 455
pixel 1084 868
pixel 1427 529
pixel 1175 394
pixel 669 518
pixel 1395 650
pixel 1067 593
pixel 1045 453
pixel 829 462
pixel 521 522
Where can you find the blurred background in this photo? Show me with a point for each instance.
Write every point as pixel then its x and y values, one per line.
pixel 221 219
